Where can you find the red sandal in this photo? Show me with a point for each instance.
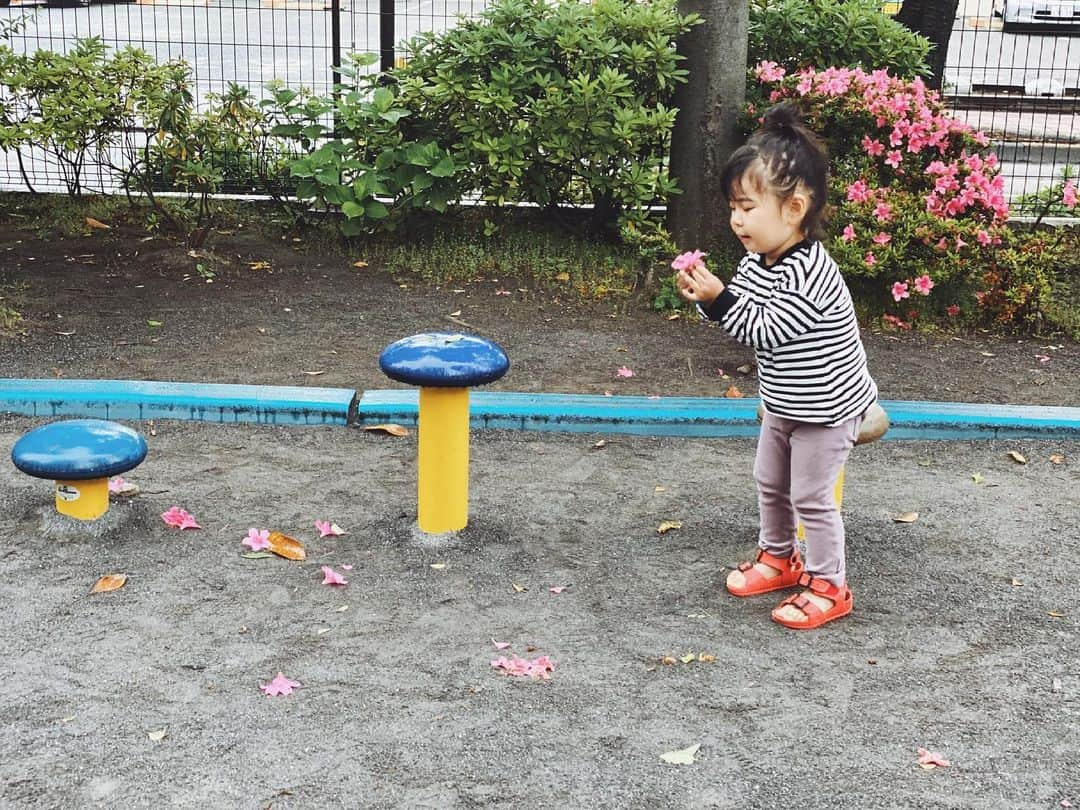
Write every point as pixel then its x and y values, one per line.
pixel 839 595
pixel 754 582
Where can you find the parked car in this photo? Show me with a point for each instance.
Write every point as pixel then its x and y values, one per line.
pixel 1016 14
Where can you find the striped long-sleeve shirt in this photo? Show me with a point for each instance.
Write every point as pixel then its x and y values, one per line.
pixel 798 316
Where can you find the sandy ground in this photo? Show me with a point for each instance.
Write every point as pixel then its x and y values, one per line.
pixel 963 640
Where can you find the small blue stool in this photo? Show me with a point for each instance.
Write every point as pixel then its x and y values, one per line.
pixel 79 455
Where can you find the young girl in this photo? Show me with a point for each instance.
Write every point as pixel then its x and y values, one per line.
pixel 789 301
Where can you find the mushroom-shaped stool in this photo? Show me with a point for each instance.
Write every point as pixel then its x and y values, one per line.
pixel 444 365
pixel 79 455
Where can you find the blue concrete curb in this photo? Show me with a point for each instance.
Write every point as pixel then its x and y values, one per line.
pixel 139 400
pixel 718 418
pixel 574 413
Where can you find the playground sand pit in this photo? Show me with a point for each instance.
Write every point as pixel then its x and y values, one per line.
pixel 963 640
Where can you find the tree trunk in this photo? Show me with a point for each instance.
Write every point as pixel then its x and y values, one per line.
pixel 934 20
pixel 705 128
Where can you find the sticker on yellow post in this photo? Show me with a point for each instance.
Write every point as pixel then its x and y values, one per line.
pixel 83 500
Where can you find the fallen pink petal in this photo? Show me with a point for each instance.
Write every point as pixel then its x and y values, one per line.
pixel 116 484
pixel 180 518
pixel 279 686
pixel 500 645
pixel 558 589
pixel 346 568
pixel 932 759
pixel 538 668
pixel 328 529
pixel 623 371
pixel 257 539
pixel 332 577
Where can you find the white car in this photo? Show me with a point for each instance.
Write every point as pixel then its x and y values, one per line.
pixel 1017 13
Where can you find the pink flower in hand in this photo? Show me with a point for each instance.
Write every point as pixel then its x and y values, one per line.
pixel 923 285
pixel 691 260
pixel 900 291
pixel 849 233
pixel 257 539
pixel 332 577
pixel 180 518
pixel 1068 194
pixel 279 686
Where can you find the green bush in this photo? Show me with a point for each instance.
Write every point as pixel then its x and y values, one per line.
pixel 839 33
pixel 552 103
pixel 365 166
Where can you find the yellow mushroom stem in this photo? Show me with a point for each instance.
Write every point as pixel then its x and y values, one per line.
pixel 443 466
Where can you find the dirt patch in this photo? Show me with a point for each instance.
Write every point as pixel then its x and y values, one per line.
pixel 136 308
pixel 963 638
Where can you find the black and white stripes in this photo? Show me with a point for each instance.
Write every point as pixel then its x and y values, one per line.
pixel 798 316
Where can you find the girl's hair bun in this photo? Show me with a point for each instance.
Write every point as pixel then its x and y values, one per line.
pixel 785 115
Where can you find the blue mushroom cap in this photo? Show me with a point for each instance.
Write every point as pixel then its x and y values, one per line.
pixel 78 450
pixel 444 359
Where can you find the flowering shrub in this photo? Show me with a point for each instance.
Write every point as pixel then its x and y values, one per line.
pixel 917 204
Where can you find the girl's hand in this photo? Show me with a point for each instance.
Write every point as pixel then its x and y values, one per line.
pixel 698 284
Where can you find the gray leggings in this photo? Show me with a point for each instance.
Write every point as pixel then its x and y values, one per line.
pixel 796 468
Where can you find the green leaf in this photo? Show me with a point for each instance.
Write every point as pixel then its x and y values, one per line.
pixel 444 168
pixel 376 209
pixel 352 209
pixel 153 323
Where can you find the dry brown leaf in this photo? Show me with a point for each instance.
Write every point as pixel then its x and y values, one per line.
pixel 1017 456
pixel 907 517
pixel 674 316
pixel 288 547
pixel 158 735
pixel 745 369
pixel 261 265
pixel 667 525
pixel 599 445
pixel 564 276
pixel 1016 583
pixel 96 223
pixel 313 373
pixel 734 393
pixel 518 588
pixel 438 566
pixel 1055 614
pixel 706 658
pixel 1057 458
pixel 668 660
pixel 659 488
pixel 109 582
pixel 360 263
pixel 392 429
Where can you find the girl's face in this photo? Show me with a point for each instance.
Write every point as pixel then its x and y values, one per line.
pixel 763 223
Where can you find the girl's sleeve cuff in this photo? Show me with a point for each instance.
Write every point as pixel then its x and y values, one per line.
pixel 718 308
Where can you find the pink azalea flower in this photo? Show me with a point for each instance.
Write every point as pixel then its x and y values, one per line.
pixel 279 686
pixel 883 212
pixel 923 285
pixel 931 759
pixel 858 192
pixel 872 147
pixel 257 540
pixel 900 291
pixel 952 310
pixel 332 577
pixel 882 238
pixel 558 589
pixel 180 518
pixel 691 260
pixel 893 159
pixel 328 529
pixel 524 668
pixel 1068 194
pixel 870 258
pixel 983 238
pixel 769 72
pixel 849 233
pixel 623 371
